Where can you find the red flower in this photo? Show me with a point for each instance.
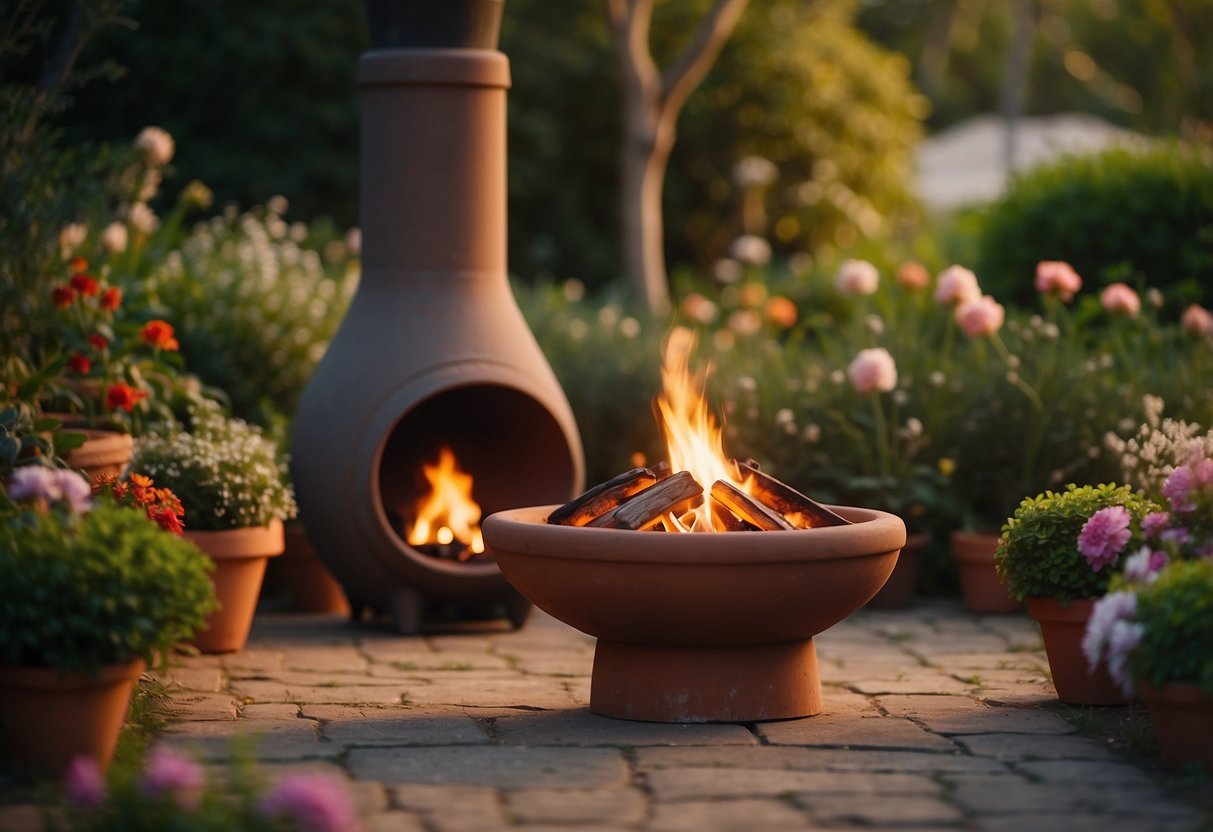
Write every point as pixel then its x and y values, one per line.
pixel 159 334
pixel 80 364
pixel 122 396
pixel 98 341
pixel 78 264
pixel 111 298
pixel 86 285
pixel 167 518
pixel 62 296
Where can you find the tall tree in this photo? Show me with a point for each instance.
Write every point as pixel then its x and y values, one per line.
pixel 652 100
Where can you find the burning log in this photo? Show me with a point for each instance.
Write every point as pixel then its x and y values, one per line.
pixel 787 501
pixel 747 508
pixel 676 493
pixel 604 497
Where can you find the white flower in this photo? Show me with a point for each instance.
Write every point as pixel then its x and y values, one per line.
pixel 754 170
pixel 629 327
pixel 750 249
pixel 1108 610
pixel 857 277
pixel 142 218
pixel 114 238
pixel 156 145
pixel 70 238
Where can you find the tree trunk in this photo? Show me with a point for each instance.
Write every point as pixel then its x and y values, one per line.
pixel 651 103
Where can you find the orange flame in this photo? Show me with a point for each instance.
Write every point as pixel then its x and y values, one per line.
pixel 448 512
pixel 694 440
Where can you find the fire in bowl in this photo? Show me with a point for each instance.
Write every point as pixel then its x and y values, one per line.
pixel 699 627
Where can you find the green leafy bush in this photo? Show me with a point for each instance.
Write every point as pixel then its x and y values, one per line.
pixel 1038 552
pixel 225 471
pixel 78 591
pixel 1118 215
pixel 1175 613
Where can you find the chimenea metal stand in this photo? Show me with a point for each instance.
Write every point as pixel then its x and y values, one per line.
pixel 434 351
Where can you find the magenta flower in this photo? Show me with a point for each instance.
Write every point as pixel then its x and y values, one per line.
pixel 85 783
pixel 1155 523
pixel 1104 535
pixel 174 775
pixel 1179 489
pixel 314 802
pixel 873 371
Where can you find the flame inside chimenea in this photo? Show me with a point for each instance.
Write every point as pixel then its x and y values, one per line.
pixel 434 364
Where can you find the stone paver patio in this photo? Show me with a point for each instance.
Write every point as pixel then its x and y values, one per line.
pixel 933 719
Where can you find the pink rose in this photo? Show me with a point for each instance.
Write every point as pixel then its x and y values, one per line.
pixel 1197 320
pixel 980 317
pixel 873 371
pixel 857 277
pixel 1057 277
pixel 955 286
pixel 1120 299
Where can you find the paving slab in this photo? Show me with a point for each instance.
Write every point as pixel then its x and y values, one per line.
pixel 933 719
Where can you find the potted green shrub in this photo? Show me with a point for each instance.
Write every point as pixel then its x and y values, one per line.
pixel 1054 555
pixel 235 490
pixel 91 589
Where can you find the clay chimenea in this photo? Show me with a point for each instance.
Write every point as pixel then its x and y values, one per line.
pixel 434 354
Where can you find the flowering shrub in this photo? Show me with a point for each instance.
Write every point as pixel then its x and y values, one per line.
pixel 86 582
pixel 1157 448
pixel 225 470
pixel 257 300
pixel 171 791
pixel 1066 545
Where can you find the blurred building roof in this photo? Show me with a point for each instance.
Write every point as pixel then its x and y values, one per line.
pixel 963 165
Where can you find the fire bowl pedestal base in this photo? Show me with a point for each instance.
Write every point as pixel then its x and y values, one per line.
pixel 705 684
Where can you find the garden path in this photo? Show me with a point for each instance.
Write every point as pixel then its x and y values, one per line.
pixel 933 719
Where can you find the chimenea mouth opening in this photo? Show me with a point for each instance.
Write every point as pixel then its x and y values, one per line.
pixel 490 445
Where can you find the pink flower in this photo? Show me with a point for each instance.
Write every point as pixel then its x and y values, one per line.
pixel 173 775
pixel 1104 536
pixel 913 275
pixel 955 286
pixel 1057 277
pixel 35 482
pixel 1120 299
pixel 314 802
pixel 1197 320
pixel 1180 488
pixel 85 783
pixel 857 277
pixel 156 145
pixel 1154 523
pixel 873 371
pixel 980 317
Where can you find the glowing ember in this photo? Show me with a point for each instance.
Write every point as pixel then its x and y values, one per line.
pixel 694 440
pixel 448 513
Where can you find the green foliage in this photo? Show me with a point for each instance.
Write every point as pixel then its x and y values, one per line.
pixel 1038 551
pixel 255 302
pixel 1144 217
pixel 81 591
pixel 1175 613
pixel 224 470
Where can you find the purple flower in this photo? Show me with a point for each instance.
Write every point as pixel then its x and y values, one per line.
pixel 85 783
pixel 1143 567
pixel 172 774
pixel 1179 489
pixel 1154 523
pixel 315 802
pixel 75 490
pixel 35 482
pixel 1104 536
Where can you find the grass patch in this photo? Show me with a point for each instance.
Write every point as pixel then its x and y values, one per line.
pixel 404 665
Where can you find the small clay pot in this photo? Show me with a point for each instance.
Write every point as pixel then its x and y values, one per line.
pixel 309 585
pixel 980 587
pixel 1183 721
pixel 48 717
pixel 434 24
pixel 104 452
pixel 240 556
pixel 1062 629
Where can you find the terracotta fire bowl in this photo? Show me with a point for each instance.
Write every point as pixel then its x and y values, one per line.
pixel 699 627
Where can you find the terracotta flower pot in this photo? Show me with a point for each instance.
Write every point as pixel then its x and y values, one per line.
pixel 898 590
pixel 711 627
pixel 240 556
pixel 47 717
pixel 1062 629
pixel 980 586
pixel 1183 721
pixel 104 452
pixel 311 587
